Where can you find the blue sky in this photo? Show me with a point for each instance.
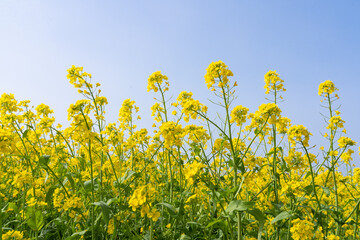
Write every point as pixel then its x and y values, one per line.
pixel 122 42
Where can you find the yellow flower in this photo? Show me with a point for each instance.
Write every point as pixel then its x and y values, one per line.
pixel 345 141
pixel 273 82
pixel 299 133
pixel 190 107
pixel 78 77
pixel 217 72
pixel 238 115
pixel 156 80
pixel 172 134
pixel 110 228
pixel 333 237
pixel 335 122
pixel 301 229
pixel 327 87
pixel 12 235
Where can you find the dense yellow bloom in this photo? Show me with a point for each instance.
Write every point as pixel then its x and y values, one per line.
pixel 78 77
pixel 282 124
pixel 8 103
pixel 217 72
pixel 114 176
pixel 299 133
pixel 156 81
pixel 22 177
pixel 196 134
pixel 301 229
pixel 12 235
pixel 172 134
pixel 110 228
pixel 138 198
pixel 100 100
pixel 157 110
pixel 190 107
pixel 335 122
pixel 192 169
pixel 268 111
pixel 327 87
pixel 273 82
pixel 221 145
pixel 126 113
pixel 333 237
pixel 6 140
pixel 238 115
pixel 345 141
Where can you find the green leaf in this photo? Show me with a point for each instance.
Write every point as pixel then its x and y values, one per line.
pixel 13 206
pixel 44 160
pixel 281 216
pixel 76 235
pixel 128 174
pixel 184 237
pixel 214 222
pixel 308 189
pixel 25 133
pixel 239 205
pixel 105 210
pixel 49 194
pixel 257 214
pixel 35 219
pixel 326 190
pixel 261 226
pixel 88 184
pixel 71 180
pixel 170 207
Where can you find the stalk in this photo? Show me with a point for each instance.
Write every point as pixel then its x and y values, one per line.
pixel 239 226
pixel 356 222
pixel 312 175
pixel 333 167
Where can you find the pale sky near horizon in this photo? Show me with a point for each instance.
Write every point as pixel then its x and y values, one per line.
pixel 122 42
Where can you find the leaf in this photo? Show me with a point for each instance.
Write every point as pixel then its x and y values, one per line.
pixel 128 174
pixel 170 207
pixel 35 219
pixel 105 210
pixel 281 216
pixel 257 214
pixel 261 226
pixel 13 206
pixel 239 205
pixel 214 222
pixel 71 180
pixel 308 189
pixel 88 184
pixel 184 237
pixel 76 235
pixel 44 160
pixel 25 133
pixel 326 190
pixel 49 194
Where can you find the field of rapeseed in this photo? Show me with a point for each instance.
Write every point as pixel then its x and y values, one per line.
pixel 241 176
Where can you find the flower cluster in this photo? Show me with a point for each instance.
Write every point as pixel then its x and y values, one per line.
pixel 326 88
pixel 217 73
pixel 156 81
pixel 239 114
pixel 299 133
pixel 218 177
pixel 273 82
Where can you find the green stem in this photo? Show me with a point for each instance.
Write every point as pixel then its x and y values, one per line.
pixel 239 226
pixel 356 222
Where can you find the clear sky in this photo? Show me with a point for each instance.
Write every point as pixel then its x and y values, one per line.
pixel 122 42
